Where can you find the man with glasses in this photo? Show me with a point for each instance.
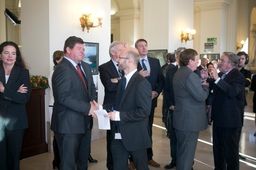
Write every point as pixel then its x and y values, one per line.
pixel 131 115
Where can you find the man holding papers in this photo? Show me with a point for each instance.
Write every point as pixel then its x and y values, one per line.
pixel 131 114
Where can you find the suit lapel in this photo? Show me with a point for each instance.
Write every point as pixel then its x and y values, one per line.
pixel 112 68
pixel 128 87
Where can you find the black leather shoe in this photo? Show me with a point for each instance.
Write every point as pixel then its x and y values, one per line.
pixel 170 165
pixel 241 157
pixel 90 159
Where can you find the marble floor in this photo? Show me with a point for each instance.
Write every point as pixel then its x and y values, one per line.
pixel 203 158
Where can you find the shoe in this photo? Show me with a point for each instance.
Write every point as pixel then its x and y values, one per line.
pixel 153 163
pixel 90 159
pixel 254 134
pixel 131 165
pixel 241 157
pixel 170 165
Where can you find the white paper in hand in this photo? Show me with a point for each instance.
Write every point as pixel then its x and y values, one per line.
pixel 103 122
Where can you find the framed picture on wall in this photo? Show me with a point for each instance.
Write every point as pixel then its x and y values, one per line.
pixel 210 56
pixel 91 56
pixel 159 54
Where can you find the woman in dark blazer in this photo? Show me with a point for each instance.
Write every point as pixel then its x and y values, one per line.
pixel 14 93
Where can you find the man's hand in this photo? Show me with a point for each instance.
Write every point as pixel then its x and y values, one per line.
pixel 144 73
pixel 111 115
pixel 204 74
pixel 171 107
pixel 114 80
pixel 94 106
pixel 215 74
pixel 154 94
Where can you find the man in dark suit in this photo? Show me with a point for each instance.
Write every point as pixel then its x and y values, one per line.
pixel 110 76
pixel 189 115
pixel 170 103
pixel 244 59
pixel 74 93
pixel 227 112
pixel 131 114
pixel 150 68
pixel 171 62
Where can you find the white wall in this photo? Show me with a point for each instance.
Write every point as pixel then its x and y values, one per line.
pixel 181 16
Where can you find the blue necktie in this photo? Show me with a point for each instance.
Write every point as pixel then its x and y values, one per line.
pixel 144 67
pixel 143 64
pixel 121 92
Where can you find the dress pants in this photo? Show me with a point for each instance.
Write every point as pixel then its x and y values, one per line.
pixel 10 148
pixel 150 122
pixel 72 147
pixel 225 148
pixel 110 137
pixel 186 148
pixel 120 157
pixel 172 136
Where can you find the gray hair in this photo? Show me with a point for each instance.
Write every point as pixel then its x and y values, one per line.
pixel 112 46
pixel 233 58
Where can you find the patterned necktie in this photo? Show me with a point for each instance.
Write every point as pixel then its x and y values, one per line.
pixel 143 64
pixel 120 72
pixel 81 75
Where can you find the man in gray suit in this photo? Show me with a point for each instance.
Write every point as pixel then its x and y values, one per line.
pixel 74 93
pixel 131 115
pixel 189 115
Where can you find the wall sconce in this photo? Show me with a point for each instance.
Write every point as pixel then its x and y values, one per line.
pixel 185 36
pixel 240 45
pixel 87 23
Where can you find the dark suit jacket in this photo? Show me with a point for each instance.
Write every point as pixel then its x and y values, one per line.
pixel 228 100
pixel 134 107
pixel 168 87
pixel 72 101
pixel 156 78
pixel 13 101
pixel 190 109
pixel 107 72
pixel 247 75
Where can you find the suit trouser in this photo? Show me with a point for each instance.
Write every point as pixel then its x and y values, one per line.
pixel 172 136
pixel 72 147
pixel 150 122
pixel 186 148
pixel 110 137
pixel 225 148
pixel 120 156
pixel 10 147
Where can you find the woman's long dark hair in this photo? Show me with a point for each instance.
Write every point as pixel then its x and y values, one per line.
pixel 19 60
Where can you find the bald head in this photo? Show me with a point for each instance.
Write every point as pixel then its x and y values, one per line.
pixel 128 60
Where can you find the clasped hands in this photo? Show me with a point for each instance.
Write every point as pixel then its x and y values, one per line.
pixel 94 106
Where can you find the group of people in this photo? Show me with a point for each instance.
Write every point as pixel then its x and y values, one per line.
pixel 190 92
pixel 132 82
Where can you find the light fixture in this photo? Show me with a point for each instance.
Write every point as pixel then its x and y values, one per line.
pixel 185 36
pixel 240 45
pixel 87 23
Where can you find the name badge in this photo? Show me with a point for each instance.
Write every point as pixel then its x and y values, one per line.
pixel 118 136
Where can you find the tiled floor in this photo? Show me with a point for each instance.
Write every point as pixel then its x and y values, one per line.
pixel 203 158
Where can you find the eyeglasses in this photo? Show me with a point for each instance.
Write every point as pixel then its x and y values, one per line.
pixel 122 58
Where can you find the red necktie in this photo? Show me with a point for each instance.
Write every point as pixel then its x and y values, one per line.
pixel 81 76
